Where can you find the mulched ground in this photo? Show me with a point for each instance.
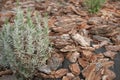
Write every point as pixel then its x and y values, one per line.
pixel 85 46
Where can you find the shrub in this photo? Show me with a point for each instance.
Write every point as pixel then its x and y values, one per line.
pixel 24 44
pixel 94 5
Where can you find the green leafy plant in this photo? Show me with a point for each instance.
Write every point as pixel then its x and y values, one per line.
pixel 94 5
pixel 24 44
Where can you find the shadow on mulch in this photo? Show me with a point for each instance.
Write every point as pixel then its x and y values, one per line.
pixel 116 67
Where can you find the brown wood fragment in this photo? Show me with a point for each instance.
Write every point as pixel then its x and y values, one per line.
pixel 113 47
pixel 6 72
pixel 75 68
pixel 83 62
pixel 110 54
pixel 89 72
pixel 83 41
pixel 60 73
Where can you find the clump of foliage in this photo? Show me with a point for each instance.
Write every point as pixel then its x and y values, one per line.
pixel 94 5
pixel 24 44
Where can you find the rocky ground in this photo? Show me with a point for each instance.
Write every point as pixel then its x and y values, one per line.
pixel 85 46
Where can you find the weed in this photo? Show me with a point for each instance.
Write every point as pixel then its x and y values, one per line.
pixel 94 5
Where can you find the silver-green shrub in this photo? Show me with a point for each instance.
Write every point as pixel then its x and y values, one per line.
pixel 24 44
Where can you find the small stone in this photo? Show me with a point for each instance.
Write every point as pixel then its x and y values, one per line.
pixel 60 73
pixel 75 69
pixel 72 57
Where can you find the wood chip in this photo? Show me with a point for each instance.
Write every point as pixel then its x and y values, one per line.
pixel 110 54
pixel 60 73
pixel 113 47
pixel 75 68
pixel 81 40
pixel 83 62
